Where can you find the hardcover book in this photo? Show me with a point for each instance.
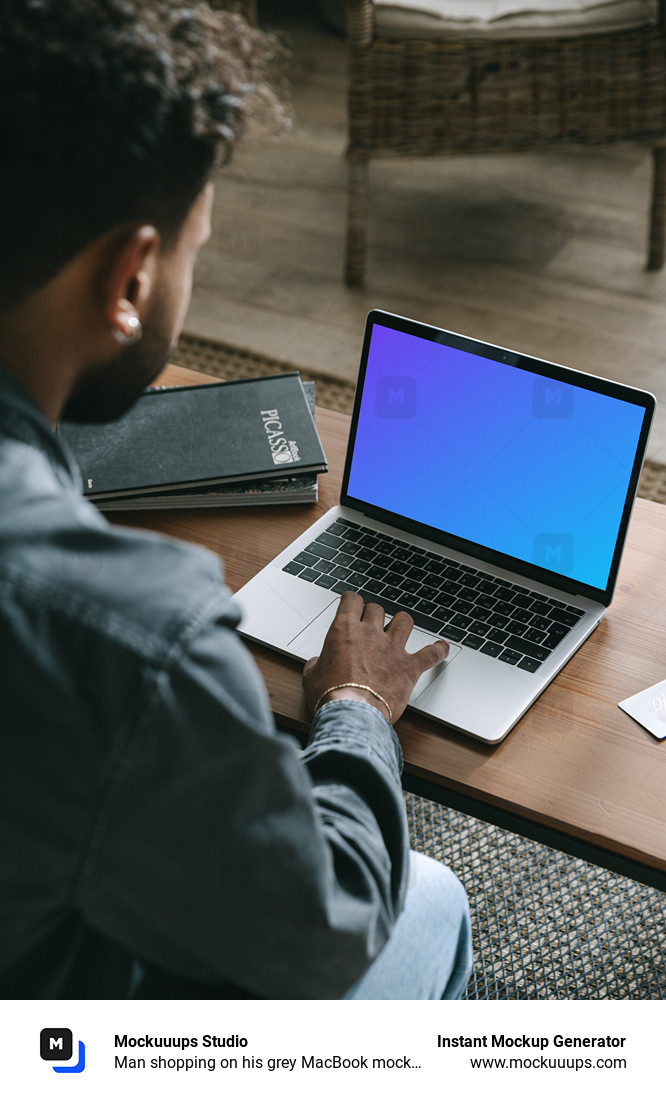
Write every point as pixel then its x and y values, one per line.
pixel 194 436
pixel 288 490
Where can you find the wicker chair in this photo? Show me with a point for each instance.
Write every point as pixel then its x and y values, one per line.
pixel 424 96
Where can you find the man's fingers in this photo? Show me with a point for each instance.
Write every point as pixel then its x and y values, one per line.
pixel 400 626
pixel 430 655
pixel 373 613
pixel 350 606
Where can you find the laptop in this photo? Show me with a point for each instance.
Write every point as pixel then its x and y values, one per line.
pixel 485 492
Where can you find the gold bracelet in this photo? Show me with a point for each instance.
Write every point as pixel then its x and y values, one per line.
pixel 362 687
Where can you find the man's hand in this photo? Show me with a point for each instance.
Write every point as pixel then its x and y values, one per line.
pixel 359 649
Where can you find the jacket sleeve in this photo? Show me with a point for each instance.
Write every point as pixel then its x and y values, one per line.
pixel 225 854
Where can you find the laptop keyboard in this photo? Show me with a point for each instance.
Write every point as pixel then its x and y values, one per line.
pixel 465 605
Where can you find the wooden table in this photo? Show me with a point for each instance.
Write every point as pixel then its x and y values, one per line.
pixel 576 772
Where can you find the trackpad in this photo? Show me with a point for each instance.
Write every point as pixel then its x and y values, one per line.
pixel 309 641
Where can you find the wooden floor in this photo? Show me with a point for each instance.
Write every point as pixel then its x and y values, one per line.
pixel 541 253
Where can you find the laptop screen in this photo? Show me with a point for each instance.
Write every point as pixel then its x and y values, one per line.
pixel 494 453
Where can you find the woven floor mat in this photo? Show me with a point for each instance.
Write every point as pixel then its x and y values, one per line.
pixel 545 925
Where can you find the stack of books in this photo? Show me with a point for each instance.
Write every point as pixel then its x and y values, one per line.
pixel 253 441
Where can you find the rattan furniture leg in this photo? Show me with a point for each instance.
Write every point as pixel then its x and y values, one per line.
pixel 658 210
pixel 357 221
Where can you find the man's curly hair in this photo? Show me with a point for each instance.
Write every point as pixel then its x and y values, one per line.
pixel 113 111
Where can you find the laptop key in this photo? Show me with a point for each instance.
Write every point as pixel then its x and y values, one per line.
pixel 309 575
pixel 321 549
pixel 342 528
pixel 306 559
pixel 341 573
pixel 376 572
pixel 453 633
pixel 552 640
pixel 330 540
pixel 409 601
pixel 373 586
pixel 343 559
pixel 478 627
pixel 529 664
pixel 503 593
pixel 503 608
pixel 419 560
pixel 496 635
pixel 529 649
pixel 493 649
pixel 392 593
pixel 357 580
pixel 463 621
pixel 411 586
pixel 539 607
pixel 511 657
pixel 393 579
pixel 521 615
pixel 473 641
pixel 437 567
pixel 567 618
pixel 463 606
pixel 427 607
pixel 540 623
pixel 342 586
pixel 523 599
pixel 575 611
pixel 325 581
pixel 557 630
pixel 292 567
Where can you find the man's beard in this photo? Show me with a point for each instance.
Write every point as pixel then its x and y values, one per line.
pixel 108 390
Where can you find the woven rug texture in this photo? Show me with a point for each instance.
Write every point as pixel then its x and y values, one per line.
pixel 545 925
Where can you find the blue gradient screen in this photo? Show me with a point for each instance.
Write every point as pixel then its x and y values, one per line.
pixel 492 453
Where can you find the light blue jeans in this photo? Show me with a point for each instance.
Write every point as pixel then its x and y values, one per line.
pixel 429 955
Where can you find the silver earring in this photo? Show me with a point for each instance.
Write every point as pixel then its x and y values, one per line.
pixel 131 337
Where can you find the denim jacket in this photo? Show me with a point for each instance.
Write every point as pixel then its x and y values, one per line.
pixel 149 809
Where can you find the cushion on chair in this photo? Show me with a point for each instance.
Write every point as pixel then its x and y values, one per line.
pixel 510 18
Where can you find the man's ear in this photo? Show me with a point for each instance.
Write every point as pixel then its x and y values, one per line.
pixel 130 263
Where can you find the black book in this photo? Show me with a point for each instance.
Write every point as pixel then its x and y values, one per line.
pixel 192 436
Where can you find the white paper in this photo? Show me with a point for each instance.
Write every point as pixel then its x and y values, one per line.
pixel 649 708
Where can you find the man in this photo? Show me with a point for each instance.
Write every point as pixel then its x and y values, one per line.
pixel 158 836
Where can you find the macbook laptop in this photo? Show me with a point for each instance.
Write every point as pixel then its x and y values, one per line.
pixel 485 492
